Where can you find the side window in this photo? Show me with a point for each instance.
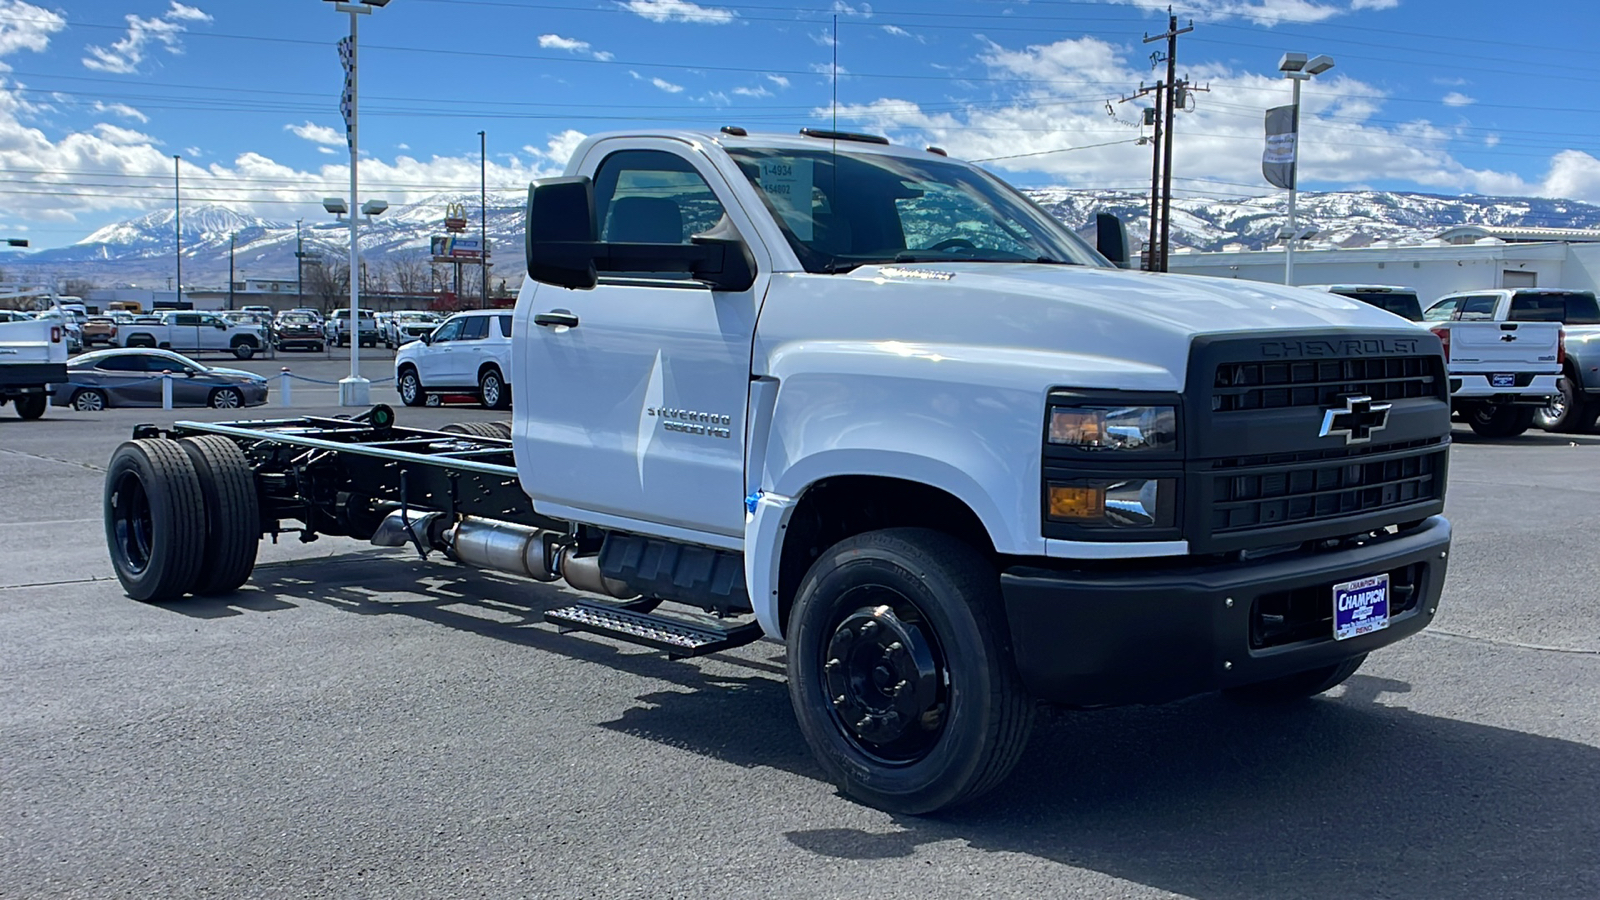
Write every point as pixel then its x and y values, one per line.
pixel 121 364
pixel 474 328
pixel 1478 309
pixel 652 197
pixel 505 325
pixel 1443 311
pixel 189 320
pixel 449 331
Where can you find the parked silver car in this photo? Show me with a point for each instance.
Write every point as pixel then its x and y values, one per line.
pixel 132 377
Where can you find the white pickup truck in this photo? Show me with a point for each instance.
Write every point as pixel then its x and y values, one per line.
pixel 197 332
pixel 33 358
pixel 870 402
pixel 1503 370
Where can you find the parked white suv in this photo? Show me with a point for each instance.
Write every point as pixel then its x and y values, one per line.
pixel 470 353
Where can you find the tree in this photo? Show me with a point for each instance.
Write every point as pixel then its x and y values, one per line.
pixel 411 273
pixel 328 281
pixel 78 287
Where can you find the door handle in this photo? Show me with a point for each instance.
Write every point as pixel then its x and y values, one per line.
pixel 556 317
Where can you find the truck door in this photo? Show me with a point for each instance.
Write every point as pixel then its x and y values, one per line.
pixel 635 414
pixel 184 331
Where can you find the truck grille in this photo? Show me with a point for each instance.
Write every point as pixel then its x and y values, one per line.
pixel 1284 489
pixel 1280 385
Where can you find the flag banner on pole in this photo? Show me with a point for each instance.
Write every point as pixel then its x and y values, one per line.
pixel 1278 160
pixel 347 99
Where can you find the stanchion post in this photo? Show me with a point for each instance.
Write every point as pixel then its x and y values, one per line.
pixel 283 387
pixel 166 389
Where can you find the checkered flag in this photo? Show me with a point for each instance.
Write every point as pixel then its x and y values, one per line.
pixel 347 100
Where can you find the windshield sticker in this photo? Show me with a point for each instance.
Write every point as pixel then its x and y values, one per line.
pixel 788 184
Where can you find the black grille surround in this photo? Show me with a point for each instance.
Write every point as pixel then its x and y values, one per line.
pixel 1257 471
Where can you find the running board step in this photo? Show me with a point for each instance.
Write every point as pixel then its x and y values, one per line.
pixel 678 638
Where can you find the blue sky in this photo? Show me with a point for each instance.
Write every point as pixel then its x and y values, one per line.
pixel 97 95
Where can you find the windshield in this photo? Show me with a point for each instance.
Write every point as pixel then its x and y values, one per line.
pixel 842 210
pixel 1398 302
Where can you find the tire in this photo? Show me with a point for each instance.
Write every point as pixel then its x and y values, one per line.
pixel 479 429
pixel 90 400
pixel 233 514
pixel 226 398
pixel 244 351
pixel 31 406
pixel 1499 421
pixel 410 388
pixel 1299 686
pixel 492 390
pixel 1570 411
pixel 155 517
pixel 934 605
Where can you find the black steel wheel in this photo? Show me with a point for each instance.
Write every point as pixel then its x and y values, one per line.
pixel 1299 686
pixel 244 350
pixel 900 672
pixel 233 514
pixel 492 391
pixel 155 517
pixel 89 400
pixel 226 398
pixel 1503 421
pixel 31 406
pixel 410 387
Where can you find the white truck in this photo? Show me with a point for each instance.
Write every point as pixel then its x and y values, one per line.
pixel 870 402
pixel 197 332
pixel 1503 369
pixel 33 358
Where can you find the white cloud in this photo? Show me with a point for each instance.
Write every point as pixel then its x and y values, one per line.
pixel 1373 4
pixel 1491 140
pixel 24 26
pixel 120 109
pixel 193 152
pixel 573 45
pixel 1261 12
pixel 679 11
pixel 123 57
pixel 1456 98
pixel 558 149
pixel 845 9
pixel 124 137
pixel 757 91
pixel 779 80
pixel 897 31
pixel 327 150
pixel 317 134
pixel 667 86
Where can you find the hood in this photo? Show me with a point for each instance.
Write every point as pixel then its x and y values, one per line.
pixel 237 374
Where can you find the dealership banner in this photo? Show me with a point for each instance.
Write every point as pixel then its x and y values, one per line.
pixel 1278 160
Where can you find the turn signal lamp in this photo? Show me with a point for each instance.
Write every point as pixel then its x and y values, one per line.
pixel 1077 503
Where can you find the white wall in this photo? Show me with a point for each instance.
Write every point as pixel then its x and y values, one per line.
pixel 1431 270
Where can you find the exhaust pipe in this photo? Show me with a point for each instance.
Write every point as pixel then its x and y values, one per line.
pixel 532 552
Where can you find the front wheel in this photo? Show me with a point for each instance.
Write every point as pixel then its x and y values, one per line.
pixel 226 398
pixel 492 390
pixel 411 393
pixel 89 400
pixel 900 672
pixel 1298 686
pixel 31 406
pixel 1503 421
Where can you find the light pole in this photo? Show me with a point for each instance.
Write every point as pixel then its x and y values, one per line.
pixel 355 390
pixel 232 239
pixel 483 215
pixel 1297 68
pixel 177 219
pixel 299 266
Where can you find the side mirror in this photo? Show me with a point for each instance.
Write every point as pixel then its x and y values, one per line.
pixel 559 237
pixel 427 337
pixel 220 326
pixel 1111 239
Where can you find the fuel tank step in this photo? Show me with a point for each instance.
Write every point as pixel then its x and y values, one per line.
pixel 678 638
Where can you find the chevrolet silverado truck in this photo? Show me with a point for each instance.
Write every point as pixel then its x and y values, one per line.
pixel 1503 370
pixel 33 358
pixel 198 332
pixel 871 403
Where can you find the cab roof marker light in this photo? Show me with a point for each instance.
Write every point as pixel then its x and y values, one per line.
pixel 826 135
pixel 735 130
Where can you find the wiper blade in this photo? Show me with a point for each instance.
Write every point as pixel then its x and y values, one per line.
pixel 840 267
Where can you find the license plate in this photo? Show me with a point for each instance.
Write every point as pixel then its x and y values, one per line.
pixel 1360 607
pixel 1502 381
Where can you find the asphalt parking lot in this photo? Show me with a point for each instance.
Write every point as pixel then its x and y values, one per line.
pixel 358 723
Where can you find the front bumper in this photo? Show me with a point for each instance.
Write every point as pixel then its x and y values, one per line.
pixel 1533 389
pixel 1108 638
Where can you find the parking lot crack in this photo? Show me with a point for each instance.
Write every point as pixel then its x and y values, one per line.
pixel 1519 645
pixel 66 462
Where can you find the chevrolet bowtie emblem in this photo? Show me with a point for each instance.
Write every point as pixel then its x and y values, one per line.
pixel 1356 422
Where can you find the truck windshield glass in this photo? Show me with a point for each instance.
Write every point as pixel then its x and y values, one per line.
pixel 842 210
pixel 1398 302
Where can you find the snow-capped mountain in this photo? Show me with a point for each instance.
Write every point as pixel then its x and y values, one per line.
pixel 140 250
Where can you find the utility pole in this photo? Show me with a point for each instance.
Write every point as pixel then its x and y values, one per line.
pixel 299 265
pixel 232 239
pixel 177 218
pixel 1165 104
pixel 483 215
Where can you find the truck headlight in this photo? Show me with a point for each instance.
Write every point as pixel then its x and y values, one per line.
pixel 1113 503
pixel 1114 427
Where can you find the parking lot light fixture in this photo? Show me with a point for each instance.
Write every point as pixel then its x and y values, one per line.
pixel 1297 67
